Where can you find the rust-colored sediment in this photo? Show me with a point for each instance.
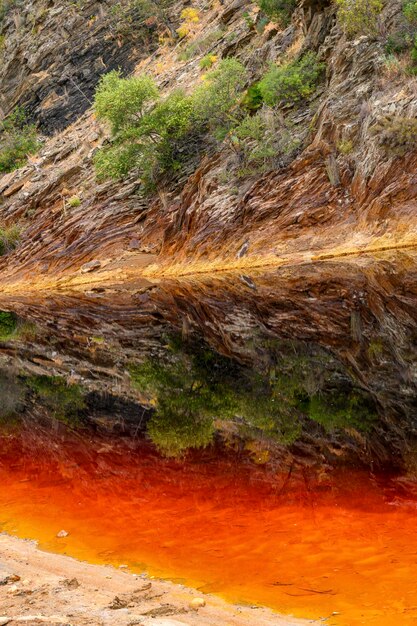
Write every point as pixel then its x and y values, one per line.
pixel 343 547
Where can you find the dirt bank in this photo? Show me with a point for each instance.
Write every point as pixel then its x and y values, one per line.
pixel 41 588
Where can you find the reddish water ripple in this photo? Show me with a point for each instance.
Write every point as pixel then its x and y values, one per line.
pixel 343 544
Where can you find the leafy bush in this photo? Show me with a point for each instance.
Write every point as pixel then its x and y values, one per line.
pixel 124 101
pixel 396 135
pixel 359 17
pixel 5 6
pixel 398 42
pixel 207 61
pixel 146 131
pixel 280 10
pixel 216 102
pixel 260 139
pixel 74 201
pixel 157 136
pixel 290 83
pixel 65 401
pixel 18 139
pixel 9 238
pixel 410 12
pixel 252 100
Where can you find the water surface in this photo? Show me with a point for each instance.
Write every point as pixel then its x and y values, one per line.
pixel 311 512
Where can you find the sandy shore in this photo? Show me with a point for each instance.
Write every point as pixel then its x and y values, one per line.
pixel 41 588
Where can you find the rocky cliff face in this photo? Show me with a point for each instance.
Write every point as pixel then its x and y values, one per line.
pixel 54 54
pixel 327 200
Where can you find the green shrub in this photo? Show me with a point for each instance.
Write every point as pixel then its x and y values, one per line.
pixel 157 136
pixel 280 10
pixel 292 82
pixel 359 17
pixel 5 6
pixel 147 133
pixel 64 400
pixel 398 42
pixel 18 140
pixel 410 12
pixel 252 99
pixel 260 139
pixel 216 101
pixel 207 61
pixel 123 102
pixel 74 202
pixel 396 135
pixel 9 238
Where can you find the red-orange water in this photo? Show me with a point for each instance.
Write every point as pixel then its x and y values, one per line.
pixel 219 523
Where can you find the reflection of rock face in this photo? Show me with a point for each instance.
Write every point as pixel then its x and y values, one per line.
pixel 359 314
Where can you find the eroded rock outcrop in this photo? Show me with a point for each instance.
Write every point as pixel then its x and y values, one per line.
pixel 326 200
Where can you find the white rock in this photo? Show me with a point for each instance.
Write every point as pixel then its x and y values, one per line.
pixel 197 603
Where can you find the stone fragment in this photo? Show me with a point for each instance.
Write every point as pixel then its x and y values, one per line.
pixel 5 578
pixel 118 603
pixel 71 583
pixel 90 267
pixel 134 244
pixel 197 603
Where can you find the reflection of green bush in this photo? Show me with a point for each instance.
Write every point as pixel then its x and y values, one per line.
pixel 65 401
pixel 8 324
pixel 186 402
pixel 193 386
pixel 337 410
pixel 177 426
pixel 12 394
pixel 193 389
